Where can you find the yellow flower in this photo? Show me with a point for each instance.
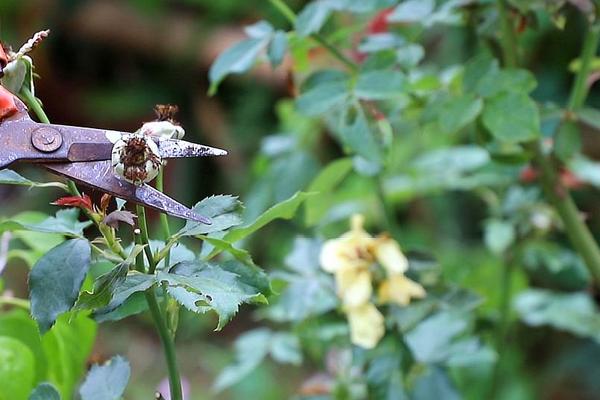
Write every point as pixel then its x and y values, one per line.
pixel 351 250
pixel 366 325
pixel 354 286
pixel 389 255
pixel 400 290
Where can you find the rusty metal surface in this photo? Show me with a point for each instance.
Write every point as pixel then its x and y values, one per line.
pixel 83 154
pixel 99 175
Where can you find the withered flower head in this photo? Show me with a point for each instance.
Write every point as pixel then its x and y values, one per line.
pixel 166 112
pixel 136 158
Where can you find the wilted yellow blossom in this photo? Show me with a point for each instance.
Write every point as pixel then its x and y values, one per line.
pixel 366 325
pixel 400 290
pixel 351 258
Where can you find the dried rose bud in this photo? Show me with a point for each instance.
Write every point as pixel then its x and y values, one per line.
pixel 136 158
pixel 164 129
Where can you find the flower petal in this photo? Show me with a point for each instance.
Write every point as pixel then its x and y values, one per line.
pixel 389 255
pixel 366 325
pixel 400 290
pixel 354 286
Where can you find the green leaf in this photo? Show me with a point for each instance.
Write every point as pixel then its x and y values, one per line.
pixel 312 17
pixel 134 282
pixel 322 97
pixel 17 369
pixel 135 304
pixel 65 223
pixel 277 48
pixel 512 117
pixel 107 381
pixel 568 141
pixel 44 391
pixel 309 291
pixel 460 112
pixel 356 133
pixel 252 347
pixel 237 59
pixel 211 287
pixel 572 312
pixel 434 384
pixel 10 177
pixel 590 116
pixel 412 11
pixel 19 325
pixel 222 245
pixel 259 30
pixel 499 235
pixel 55 280
pixel 284 210
pixel 67 347
pixel 329 177
pixel 104 288
pixel 223 212
pixel 380 85
pixel 505 80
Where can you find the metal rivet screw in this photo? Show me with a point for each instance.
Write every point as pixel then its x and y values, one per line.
pixel 46 139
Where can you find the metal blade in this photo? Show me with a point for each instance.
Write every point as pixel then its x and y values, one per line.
pixel 175 148
pixel 100 175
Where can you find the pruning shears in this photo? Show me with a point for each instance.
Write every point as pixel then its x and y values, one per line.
pixel 83 155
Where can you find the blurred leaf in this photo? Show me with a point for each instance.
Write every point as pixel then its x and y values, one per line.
pixel 312 17
pixel 222 245
pixel 573 312
pixel 223 212
pixel 284 210
pixel 380 85
pixel 434 384
pixel 412 11
pixel 65 223
pixel 44 391
pixel 322 97
pixel 107 381
pixel 384 376
pixel 590 116
pixel 211 287
pixel 237 59
pixel 277 48
pixel 512 117
pixel 252 347
pixel 19 325
pixel 358 136
pixel 67 347
pixel 459 112
pixel 499 235
pixel 55 280
pixel 325 183
pixel 568 141
pixel 505 80
pixel 309 291
pixel 10 177
pixel 17 368
pixel 586 170
pixel 259 30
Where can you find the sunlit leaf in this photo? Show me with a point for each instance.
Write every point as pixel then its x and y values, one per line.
pixel 17 368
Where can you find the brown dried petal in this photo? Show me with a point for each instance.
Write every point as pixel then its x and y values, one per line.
pixel 117 216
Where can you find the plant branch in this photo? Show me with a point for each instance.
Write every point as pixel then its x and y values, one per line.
pixel 14 301
pixel 577 231
pixel 159 319
pixel 580 87
pixel 289 14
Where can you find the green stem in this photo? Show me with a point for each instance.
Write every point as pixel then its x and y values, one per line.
pixel 34 104
pixel 580 87
pixel 388 211
pixel 14 301
pixel 164 220
pixel 289 14
pixel 141 213
pixel 508 38
pixel 166 339
pixel 501 333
